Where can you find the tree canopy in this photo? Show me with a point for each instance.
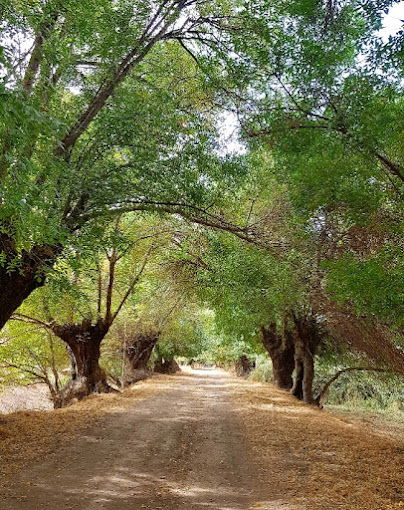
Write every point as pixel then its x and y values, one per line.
pixel 125 204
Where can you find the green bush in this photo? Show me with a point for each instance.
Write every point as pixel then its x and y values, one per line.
pixel 366 390
pixel 263 369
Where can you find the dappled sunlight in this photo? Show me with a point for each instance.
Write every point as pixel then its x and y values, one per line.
pixel 210 441
pixel 285 409
pixel 182 448
pixel 122 486
pixel 276 505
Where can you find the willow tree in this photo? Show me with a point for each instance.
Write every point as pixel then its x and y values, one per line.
pixel 162 319
pixel 147 322
pixel 169 322
pixel 278 293
pixel 100 92
pixel 88 295
pixel 328 114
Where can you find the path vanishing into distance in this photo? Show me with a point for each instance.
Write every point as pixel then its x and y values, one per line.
pixel 210 441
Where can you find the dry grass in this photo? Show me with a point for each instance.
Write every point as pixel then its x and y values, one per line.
pixel 389 424
pixel 317 460
pixel 28 435
pixel 306 459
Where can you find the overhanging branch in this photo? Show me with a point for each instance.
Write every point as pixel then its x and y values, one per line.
pixel 196 215
pixel 322 396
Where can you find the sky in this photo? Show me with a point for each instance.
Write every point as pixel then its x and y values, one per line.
pixel 393 21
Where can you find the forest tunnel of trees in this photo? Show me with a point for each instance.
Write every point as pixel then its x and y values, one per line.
pixel 213 182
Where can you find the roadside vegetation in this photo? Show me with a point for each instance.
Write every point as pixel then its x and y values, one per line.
pixel 137 231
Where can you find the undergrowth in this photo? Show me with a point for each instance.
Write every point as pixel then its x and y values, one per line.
pixel 355 391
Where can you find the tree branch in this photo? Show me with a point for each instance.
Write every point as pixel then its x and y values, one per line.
pixel 131 287
pixel 135 56
pixel 322 396
pixel 36 55
pixel 30 320
pixel 196 215
pixel 111 279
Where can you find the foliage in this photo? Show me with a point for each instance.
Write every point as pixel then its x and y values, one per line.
pixel 263 370
pixel 366 390
pixel 111 145
pixel 374 285
pixel 29 354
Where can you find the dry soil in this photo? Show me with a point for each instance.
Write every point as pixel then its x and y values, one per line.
pixel 209 441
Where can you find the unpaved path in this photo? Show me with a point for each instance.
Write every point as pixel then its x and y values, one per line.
pixel 210 442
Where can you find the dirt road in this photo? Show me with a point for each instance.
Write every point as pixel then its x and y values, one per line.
pixel 210 441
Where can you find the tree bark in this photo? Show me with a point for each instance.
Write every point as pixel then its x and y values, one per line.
pixel 137 355
pixel 244 366
pixel 84 341
pixel 139 351
pixel 307 339
pixel 281 351
pixel 36 55
pixel 21 274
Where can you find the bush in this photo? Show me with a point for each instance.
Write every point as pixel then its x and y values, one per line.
pixel 263 369
pixel 366 390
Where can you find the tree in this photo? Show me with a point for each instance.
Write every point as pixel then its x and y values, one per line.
pixel 327 112
pixel 282 297
pixel 80 107
pixel 251 290
pixel 119 263
pixel 281 349
pixel 316 193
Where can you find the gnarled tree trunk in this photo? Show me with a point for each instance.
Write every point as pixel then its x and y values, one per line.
pixel 139 350
pixel 84 341
pixel 307 338
pixel 281 350
pixel 29 274
pixel 137 356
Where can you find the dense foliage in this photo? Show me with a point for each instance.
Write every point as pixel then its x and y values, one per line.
pixel 137 222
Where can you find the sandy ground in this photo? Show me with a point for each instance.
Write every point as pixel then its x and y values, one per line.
pixel 209 441
pixel 33 397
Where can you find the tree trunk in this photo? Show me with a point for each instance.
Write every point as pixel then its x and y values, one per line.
pixel 137 356
pixel 139 351
pixel 166 366
pixel 308 377
pixel 28 274
pixel 307 338
pixel 15 288
pixel 84 341
pixel 281 351
pixel 73 363
pixel 297 388
pixel 244 366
